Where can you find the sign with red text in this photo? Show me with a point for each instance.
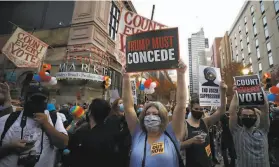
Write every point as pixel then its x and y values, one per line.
pixel 131 23
pixel 25 50
pixel 249 91
pixel 152 50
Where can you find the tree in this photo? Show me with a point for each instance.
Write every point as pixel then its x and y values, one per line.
pixel 275 75
pixel 227 73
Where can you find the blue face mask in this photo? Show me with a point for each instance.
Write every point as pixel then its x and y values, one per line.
pixel 140 110
pixel 121 107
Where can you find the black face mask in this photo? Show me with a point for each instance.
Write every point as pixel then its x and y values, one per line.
pixel 197 114
pixel 34 106
pixel 248 122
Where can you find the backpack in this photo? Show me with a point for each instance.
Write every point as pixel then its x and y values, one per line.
pixel 53 116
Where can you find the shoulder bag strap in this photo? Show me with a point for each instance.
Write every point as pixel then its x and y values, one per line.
pixel 144 153
pixel 9 122
pixel 180 161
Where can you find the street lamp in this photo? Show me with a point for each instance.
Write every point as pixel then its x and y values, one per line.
pixel 245 71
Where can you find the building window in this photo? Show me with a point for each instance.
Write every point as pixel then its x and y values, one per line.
pixel 250 60
pixel 246 29
pixel 260 67
pixel 241 45
pixel 252 9
pixel 268 47
pixel 266 32
pixel 276 5
pixel 242 55
pixel 270 59
pixel 243 62
pixel 257 43
pixel 245 20
pixel 264 21
pixel 258 53
pixel 247 39
pixel 249 49
pixel 262 7
pixel 234 35
pixel 239 29
pixel 237 58
pixel 235 43
pixel 251 68
pixel 240 37
pixel 253 20
pixel 255 30
pixel 114 20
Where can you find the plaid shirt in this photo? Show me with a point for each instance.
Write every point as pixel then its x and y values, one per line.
pixel 251 147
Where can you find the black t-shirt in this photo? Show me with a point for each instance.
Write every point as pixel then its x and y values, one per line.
pixel 198 155
pixel 92 147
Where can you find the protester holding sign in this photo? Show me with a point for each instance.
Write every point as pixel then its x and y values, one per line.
pixel 154 141
pixel 250 140
pixel 197 145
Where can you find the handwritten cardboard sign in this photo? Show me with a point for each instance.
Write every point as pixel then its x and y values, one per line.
pixel 153 50
pixel 25 50
pixel 249 90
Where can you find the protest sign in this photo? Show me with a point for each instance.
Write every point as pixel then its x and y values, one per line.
pixel 134 90
pixel 131 23
pixel 209 89
pixel 25 50
pixel 153 50
pixel 249 91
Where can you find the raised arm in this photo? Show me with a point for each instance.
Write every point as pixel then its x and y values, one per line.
pixel 264 114
pixel 128 102
pixel 178 116
pixel 211 120
pixel 232 111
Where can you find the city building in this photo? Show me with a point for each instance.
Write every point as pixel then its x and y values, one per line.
pixel 214 51
pixel 225 50
pixel 196 48
pixel 76 31
pixel 254 36
pixel 208 58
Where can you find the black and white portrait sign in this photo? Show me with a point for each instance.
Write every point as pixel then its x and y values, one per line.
pixel 209 90
pixel 152 50
pixel 249 90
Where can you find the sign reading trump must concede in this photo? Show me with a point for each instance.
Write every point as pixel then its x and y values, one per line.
pixel 153 50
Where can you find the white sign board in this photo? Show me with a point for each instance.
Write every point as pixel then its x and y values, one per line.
pixel 134 90
pixel 79 75
pixel 209 86
pixel 25 50
pixel 131 23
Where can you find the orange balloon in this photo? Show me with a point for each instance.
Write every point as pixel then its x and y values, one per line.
pixel 274 90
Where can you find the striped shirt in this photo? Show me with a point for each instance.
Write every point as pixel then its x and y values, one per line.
pixel 251 147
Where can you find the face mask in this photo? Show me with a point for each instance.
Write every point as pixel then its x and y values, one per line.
pixel 197 114
pixel 248 122
pixel 121 107
pixel 152 123
pixel 140 110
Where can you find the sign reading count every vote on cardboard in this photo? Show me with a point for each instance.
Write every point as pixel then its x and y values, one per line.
pixel 152 50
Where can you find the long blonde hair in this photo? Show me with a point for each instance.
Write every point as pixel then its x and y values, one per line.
pixel 162 113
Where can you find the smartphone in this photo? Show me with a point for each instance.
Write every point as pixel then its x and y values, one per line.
pixel 29 144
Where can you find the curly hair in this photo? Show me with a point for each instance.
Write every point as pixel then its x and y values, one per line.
pixel 162 113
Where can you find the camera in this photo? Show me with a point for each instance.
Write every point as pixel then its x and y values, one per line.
pixel 28 160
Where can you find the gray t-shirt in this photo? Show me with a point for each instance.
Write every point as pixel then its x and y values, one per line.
pixel 251 147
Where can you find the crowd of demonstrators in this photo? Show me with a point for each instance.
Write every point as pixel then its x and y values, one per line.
pixel 155 141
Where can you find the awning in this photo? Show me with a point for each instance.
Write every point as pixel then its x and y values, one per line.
pixel 79 75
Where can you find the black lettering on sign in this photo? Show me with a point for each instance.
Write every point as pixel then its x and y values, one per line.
pixel 157 148
pixel 251 97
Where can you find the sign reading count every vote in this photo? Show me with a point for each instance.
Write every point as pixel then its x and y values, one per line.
pixel 152 50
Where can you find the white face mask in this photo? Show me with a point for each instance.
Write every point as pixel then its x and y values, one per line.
pixel 152 123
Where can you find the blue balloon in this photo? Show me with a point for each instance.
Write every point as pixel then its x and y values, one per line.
pixel 271 97
pixel 141 87
pixel 37 78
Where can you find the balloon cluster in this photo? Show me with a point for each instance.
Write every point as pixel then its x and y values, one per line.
pixel 147 85
pixel 107 82
pixel 274 96
pixel 44 75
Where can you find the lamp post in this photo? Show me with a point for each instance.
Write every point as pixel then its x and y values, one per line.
pixel 245 71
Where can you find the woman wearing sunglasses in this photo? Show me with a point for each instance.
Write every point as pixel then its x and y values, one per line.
pixel 154 139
